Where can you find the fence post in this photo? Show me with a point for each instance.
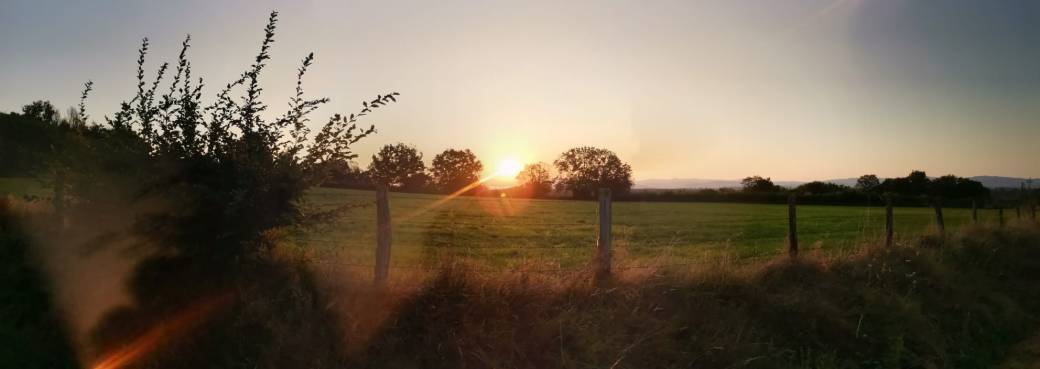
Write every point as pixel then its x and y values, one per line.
pixel 1000 216
pixel 382 234
pixel 937 205
pixel 603 243
pixel 792 226
pixel 888 221
pixel 974 212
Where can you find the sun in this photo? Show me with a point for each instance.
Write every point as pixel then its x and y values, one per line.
pixel 509 168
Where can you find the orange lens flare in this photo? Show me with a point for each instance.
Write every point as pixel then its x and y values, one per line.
pixel 443 200
pixel 170 328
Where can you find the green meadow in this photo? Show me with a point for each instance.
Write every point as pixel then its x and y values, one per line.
pixel 505 233
pixel 547 234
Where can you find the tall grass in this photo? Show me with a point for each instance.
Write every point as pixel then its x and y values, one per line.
pixel 961 302
pixel 958 305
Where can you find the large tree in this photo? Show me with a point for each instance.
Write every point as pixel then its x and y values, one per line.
pixel 399 166
pixel 583 170
pixel 454 170
pixel 535 180
pixel 758 184
pixel 868 183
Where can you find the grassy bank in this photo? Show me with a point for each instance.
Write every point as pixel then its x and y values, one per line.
pixel 961 305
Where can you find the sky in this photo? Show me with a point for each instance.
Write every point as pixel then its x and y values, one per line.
pixel 793 90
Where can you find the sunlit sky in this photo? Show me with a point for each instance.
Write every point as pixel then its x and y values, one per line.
pixel 794 89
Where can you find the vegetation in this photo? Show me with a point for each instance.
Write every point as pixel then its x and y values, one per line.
pixel 248 265
pixel 534 181
pixel 582 171
pixel 399 166
pixel 32 332
pixel 202 187
pixel 509 233
pixel 908 307
pixel 455 170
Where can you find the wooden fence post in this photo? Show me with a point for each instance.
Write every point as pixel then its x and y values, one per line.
pixel 792 226
pixel 974 212
pixel 603 243
pixel 1000 216
pixel 382 234
pixel 888 221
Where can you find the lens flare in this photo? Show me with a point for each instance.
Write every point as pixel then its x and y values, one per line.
pixel 169 329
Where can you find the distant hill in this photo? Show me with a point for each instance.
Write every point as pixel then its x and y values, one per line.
pixel 693 183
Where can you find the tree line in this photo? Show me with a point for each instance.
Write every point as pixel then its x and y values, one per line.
pixel 37 141
pixel 915 189
pixel 577 173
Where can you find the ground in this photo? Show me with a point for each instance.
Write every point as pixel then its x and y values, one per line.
pixel 501 232
pixel 506 233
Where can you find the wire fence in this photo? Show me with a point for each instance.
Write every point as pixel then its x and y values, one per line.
pixel 650 236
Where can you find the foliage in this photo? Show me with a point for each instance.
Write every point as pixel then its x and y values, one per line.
pixel 454 170
pixel 400 166
pixel 917 183
pixel 346 174
pixel 817 187
pixel 583 170
pixel 902 307
pixel 32 333
pixel 758 184
pixel 41 110
pixel 209 185
pixel 233 172
pixel 38 139
pixel 535 180
pixel 868 183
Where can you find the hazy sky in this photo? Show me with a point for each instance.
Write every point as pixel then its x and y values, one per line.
pixel 794 89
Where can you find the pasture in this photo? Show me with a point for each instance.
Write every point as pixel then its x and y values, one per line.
pixel 505 233
pixel 508 233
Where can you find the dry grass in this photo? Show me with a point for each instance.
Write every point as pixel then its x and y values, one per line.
pixel 932 303
pixel 961 304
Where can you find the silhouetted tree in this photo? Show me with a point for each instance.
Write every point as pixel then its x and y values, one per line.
pixel 346 174
pixel 758 184
pixel 227 174
pixel 868 183
pixel 915 184
pixel 535 180
pixel 453 170
pixel 398 165
pixel 42 110
pixel 954 187
pixel 817 187
pixel 236 172
pixel 583 170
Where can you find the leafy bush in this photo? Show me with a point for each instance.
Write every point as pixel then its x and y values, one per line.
pixel 209 186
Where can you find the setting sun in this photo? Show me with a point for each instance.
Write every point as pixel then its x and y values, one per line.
pixel 509 168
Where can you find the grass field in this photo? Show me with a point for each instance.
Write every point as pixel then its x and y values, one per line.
pixel 507 233
pixel 548 234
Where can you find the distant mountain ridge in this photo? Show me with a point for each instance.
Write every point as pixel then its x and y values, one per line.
pixel 696 183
